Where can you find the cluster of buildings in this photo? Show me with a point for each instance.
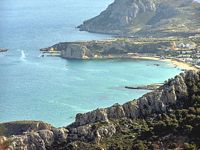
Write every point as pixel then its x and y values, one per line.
pixel 189 53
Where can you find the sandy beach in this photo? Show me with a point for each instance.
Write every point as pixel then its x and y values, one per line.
pixel 176 63
pixel 182 65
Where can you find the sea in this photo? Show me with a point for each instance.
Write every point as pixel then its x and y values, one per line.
pixel 52 89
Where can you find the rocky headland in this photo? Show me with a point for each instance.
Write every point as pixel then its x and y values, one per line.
pixel 168 49
pixel 120 47
pixel 115 48
pixel 167 117
pixel 147 18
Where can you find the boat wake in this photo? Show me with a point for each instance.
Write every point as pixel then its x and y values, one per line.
pixel 41 55
pixel 23 56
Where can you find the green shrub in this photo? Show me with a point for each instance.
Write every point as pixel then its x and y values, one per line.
pixel 188 146
pixel 138 146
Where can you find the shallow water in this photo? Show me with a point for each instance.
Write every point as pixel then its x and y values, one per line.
pixel 53 89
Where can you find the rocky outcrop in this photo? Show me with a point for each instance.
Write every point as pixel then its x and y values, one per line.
pixel 75 51
pixel 91 132
pixel 20 127
pixel 31 135
pixel 69 50
pixel 145 18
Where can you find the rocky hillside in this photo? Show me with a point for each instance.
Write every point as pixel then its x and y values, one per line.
pixel 167 118
pixel 147 18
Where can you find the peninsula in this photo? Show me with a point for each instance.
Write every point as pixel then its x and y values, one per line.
pixel 183 52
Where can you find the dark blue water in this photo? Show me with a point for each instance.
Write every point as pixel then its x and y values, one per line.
pixel 53 89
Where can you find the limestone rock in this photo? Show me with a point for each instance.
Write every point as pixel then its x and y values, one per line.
pixel 36 140
pixel 47 136
pixel 92 132
pixel 75 51
pixel 92 117
pixel 60 135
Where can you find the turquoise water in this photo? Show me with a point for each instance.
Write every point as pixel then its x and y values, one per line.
pixel 53 89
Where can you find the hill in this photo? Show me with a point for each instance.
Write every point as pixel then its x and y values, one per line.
pixel 147 18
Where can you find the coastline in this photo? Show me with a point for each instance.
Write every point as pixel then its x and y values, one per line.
pixel 176 63
pixel 173 61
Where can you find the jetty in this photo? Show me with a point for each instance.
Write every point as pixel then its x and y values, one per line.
pixel 145 87
pixel 51 52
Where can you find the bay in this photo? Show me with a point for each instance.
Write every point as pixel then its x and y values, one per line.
pixel 52 89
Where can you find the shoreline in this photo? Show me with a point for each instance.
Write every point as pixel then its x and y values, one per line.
pixel 174 62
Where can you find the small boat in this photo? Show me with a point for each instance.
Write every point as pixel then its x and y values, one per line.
pixel 3 49
pixel 156 65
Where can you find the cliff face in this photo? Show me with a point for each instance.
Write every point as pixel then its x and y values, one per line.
pixel 120 14
pixel 76 51
pixel 146 18
pixel 99 126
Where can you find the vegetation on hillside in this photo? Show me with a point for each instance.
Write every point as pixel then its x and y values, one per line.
pixel 177 128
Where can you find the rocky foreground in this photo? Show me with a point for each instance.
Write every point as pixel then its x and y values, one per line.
pixel 166 118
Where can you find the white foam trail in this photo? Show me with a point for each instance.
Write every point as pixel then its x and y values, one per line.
pixel 41 55
pixel 23 56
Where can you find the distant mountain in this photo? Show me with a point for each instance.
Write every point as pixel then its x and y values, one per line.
pixel 147 18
